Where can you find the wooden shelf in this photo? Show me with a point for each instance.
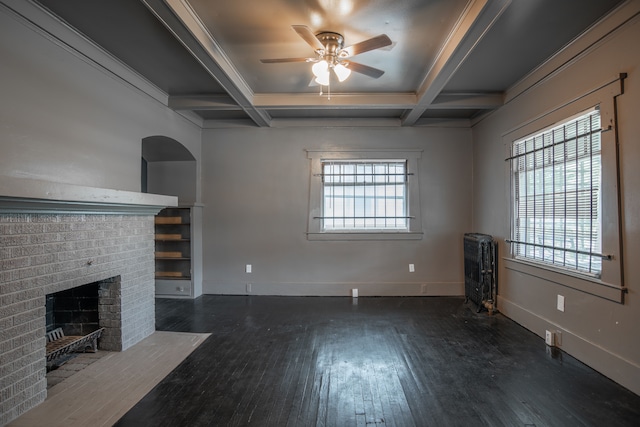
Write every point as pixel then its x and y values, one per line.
pixel 162 236
pixel 173 251
pixel 169 254
pixel 168 220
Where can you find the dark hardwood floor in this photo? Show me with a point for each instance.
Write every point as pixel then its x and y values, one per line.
pixel 312 361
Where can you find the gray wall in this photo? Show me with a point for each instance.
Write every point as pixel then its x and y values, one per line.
pixel 64 119
pixel 601 333
pixel 173 179
pixel 256 195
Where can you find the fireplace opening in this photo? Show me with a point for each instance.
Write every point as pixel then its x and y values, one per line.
pixel 74 310
pixel 80 319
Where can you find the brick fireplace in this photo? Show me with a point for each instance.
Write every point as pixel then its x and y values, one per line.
pixel 54 246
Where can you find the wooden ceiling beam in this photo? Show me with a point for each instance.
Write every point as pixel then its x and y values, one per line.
pixel 183 22
pixel 474 23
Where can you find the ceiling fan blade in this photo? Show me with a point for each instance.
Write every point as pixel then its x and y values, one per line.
pixel 308 36
pixel 364 69
pixel 278 60
pixel 365 46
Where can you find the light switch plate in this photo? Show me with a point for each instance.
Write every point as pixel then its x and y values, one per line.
pixel 560 305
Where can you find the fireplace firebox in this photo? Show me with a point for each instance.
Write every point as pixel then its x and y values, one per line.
pixel 74 310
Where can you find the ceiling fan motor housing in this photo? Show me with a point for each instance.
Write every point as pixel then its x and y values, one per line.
pixel 333 44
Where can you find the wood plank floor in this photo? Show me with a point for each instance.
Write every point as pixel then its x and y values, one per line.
pixel 315 361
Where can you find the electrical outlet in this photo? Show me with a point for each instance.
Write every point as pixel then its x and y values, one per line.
pixel 247 269
pixel 560 304
pixel 248 287
pixel 412 268
pixel 549 338
pixel 354 293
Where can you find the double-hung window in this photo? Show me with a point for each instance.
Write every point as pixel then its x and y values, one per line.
pixel 556 184
pixel 565 220
pixel 364 195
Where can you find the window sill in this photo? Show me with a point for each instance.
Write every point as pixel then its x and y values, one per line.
pixel 381 235
pixel 584 284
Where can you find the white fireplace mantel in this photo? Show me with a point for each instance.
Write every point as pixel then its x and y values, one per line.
pixel 25 195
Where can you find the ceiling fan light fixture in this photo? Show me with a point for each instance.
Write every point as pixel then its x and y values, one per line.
pixel 323 79
pixel 342 72
pixel 329 50
pixel 320 68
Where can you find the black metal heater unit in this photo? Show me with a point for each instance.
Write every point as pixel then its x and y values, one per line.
pixel 480 264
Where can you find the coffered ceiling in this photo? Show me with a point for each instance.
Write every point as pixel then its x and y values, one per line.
pixel 449 59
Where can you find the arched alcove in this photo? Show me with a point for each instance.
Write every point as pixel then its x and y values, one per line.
pixel 169 168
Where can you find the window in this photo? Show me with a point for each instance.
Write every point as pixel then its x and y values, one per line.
pixel 364 195
pixel 564 192
pixel 556 182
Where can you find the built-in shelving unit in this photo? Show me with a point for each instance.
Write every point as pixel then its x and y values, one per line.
pixel 174 266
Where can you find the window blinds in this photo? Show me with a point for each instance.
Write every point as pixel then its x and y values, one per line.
pixel 556 188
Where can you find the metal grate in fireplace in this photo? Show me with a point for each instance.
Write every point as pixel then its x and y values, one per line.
pixel 81 312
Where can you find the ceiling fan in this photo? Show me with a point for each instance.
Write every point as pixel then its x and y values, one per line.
pixel 332 55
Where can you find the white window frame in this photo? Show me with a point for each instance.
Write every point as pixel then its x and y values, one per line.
pixel 315 229
pixel 608 284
